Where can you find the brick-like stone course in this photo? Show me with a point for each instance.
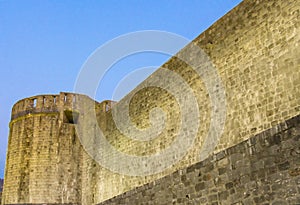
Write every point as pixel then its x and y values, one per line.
pixel 255 50
pixel 44 155
pixel 264 169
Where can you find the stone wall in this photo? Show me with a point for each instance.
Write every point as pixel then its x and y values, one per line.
pixel 255 52
pixel 264 169
pixel 44 157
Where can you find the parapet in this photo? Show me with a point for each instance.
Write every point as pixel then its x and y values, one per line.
pixel 35 104
pixel 50 103
pixel 106 105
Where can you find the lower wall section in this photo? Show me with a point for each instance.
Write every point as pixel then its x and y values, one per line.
pixel 264 169
pixel 45 204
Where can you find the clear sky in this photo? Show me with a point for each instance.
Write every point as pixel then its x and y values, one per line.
pixel 43 44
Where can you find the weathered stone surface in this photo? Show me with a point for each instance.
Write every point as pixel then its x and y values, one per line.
pixel 44 156
pixel 278 187
pixel 255 50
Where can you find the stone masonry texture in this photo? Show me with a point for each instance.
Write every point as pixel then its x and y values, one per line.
pixel 265 169
pixel 255 51
pixel 44 155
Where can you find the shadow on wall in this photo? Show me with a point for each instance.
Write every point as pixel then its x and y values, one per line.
pixel 1 188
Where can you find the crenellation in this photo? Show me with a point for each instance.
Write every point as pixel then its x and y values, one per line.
pixel 107 105
pixel 36 104
pixel 42 104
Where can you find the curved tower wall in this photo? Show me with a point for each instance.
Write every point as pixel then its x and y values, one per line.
pixel 44 155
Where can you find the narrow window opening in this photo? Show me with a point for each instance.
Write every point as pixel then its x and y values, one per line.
pixel 65 98
pixel 34 102
pixel 54 99
pixel 44 100
pixel 74 100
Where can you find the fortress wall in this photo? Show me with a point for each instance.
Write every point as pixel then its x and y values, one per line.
pixel 42 157
pixel 255 50
pixel 29 129
pixel 264 169
pixel 44 154
pixel 68 166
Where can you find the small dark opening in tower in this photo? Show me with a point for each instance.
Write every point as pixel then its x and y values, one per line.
pixel 71 116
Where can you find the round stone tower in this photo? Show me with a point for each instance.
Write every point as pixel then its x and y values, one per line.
pixel 44 155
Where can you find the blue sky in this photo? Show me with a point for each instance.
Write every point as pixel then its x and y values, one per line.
pixel 43 44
